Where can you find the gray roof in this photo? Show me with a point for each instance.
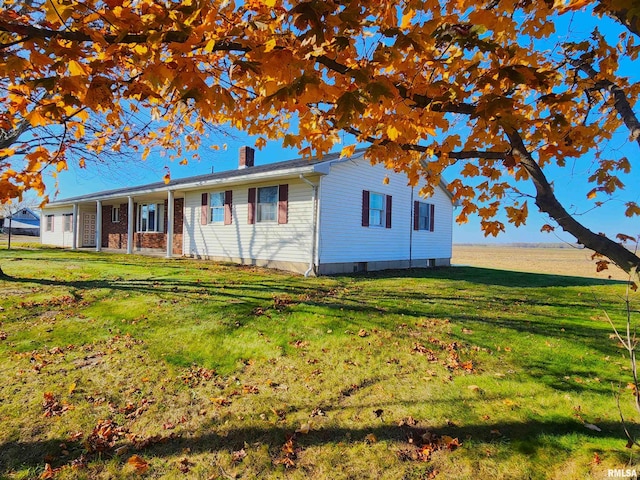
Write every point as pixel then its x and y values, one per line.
pixel 225 175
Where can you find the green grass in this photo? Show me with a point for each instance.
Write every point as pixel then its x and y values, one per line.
pixel 207 370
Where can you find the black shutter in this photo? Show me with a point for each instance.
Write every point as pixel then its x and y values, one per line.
pixel 365 208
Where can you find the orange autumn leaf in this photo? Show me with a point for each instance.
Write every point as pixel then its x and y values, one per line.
pixel 48 472
pixel 138 464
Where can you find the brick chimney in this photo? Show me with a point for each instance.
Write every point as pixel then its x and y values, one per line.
pixel 247 155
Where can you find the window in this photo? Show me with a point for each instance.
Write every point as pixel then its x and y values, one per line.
pixel 216 205
pixel 150 217
pixel 68 222
pixel 423 216
pixel 115 214
pixel 267 204
pixel 49 223
pixel 376 209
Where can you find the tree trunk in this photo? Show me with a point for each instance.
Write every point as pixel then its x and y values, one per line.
pixel 549 204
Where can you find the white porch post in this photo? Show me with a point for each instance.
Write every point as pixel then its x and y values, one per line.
pixel 98 225
pixel 74 227
pixel 130 226
pixel 170 215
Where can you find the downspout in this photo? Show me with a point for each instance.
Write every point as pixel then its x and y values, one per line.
pixel 314 221
pixel 411 231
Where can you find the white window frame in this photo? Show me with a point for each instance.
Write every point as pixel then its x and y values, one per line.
pixel 216 212
pixel 267 212
pixel 67 222
pixel 143 225
pixel 373 222
pixel 115 214
pixel 48 223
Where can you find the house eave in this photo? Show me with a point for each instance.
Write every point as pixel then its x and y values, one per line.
pixel 180 186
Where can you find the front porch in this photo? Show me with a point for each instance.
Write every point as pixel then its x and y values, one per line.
pixel 145 224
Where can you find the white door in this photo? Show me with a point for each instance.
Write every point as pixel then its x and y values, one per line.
pixel 89 230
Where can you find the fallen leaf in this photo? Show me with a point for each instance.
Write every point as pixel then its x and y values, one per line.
pixel 474 388
pixel 185 465
pixel 138 463
pixel 363 333
pixel 238 455
pixel 370 438
pixel 250 389
pixel 412 422
pixel 48 472
pixel 593 427
pixel 304 428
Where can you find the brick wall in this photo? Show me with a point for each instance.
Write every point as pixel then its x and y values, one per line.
pixel 114 235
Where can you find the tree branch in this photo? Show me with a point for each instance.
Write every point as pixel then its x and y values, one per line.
pixel 621 104
pixel 628 17
pixel 9 137
pixel 462 155
pixel 421 101
pixel 167 37
pixel 548 203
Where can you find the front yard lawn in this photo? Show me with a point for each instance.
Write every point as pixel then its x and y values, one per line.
pixel 117 366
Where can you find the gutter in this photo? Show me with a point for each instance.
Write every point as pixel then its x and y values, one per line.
pixel 314 221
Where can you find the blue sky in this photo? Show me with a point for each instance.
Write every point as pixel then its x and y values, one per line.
pixel 569 182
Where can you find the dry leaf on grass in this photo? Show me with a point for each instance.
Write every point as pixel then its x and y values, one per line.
pixel 138 464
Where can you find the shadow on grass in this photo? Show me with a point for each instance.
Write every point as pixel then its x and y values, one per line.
pixel 526 437
pixel 489 276
pixel 242 297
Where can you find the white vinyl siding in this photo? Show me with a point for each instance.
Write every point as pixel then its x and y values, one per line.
pixel 244 241
pixel 68 222
pixel 52 227
pixel 344 239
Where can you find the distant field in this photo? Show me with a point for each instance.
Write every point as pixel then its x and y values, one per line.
pixel 15 239
pixel 561 260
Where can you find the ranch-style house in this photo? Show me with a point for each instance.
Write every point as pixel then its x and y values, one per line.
pixel 320 216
